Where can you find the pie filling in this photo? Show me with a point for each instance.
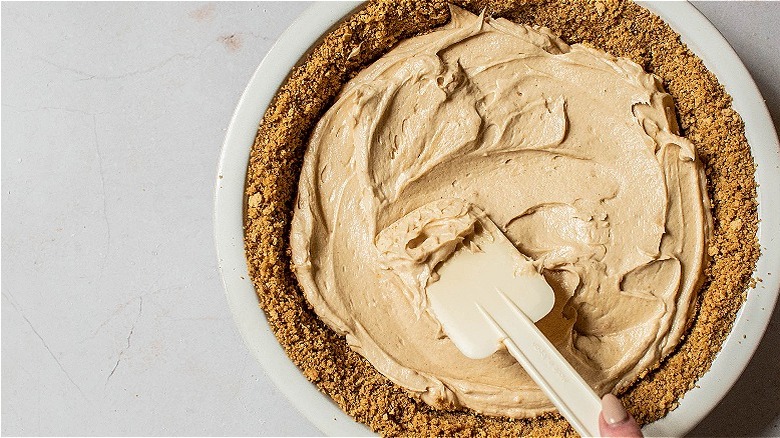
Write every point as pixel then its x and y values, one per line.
pixel 573 153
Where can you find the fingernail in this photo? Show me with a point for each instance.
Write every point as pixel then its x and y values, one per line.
pixel 612 410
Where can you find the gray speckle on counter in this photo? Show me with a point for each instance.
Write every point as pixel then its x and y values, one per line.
pixel 114 320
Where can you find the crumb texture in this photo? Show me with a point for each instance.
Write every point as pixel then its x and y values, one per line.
pixel 618 27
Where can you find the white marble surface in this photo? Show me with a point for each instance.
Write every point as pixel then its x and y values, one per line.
pixel 113 317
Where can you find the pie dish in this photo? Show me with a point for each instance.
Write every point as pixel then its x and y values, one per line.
pixel 767 153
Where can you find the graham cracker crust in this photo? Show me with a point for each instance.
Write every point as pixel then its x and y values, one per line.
pixel 619 27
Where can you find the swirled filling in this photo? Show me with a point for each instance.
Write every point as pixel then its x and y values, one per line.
pixel 573 153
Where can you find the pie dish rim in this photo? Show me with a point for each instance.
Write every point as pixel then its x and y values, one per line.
pixel 700 36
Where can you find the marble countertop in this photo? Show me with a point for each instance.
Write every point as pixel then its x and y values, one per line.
pixel 114 321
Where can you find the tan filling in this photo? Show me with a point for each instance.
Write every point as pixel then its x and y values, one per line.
pixel 572 152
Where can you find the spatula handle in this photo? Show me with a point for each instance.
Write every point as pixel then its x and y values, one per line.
pixel 567 390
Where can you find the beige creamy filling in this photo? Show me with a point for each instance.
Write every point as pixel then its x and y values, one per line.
pixel 572 152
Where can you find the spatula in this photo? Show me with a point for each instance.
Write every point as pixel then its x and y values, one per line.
pixel 489 294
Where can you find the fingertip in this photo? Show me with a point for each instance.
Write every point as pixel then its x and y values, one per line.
pixel 615 421
pixel 612 409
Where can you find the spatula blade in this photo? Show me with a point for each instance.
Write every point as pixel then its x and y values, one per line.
pixel 475 276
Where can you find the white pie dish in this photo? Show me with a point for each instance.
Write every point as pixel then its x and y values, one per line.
pixel 700 36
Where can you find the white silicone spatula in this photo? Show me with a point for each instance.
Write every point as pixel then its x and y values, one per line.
pixel 491 296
